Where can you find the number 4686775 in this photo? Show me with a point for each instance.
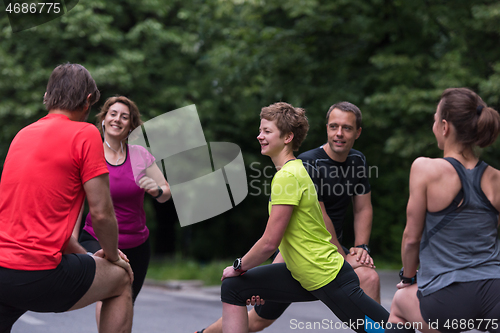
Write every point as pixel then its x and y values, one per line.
pixel 34 8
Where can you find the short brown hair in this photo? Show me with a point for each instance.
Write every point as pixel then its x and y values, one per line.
pixel 68 88
pixel 288 120
pixel 476 123
pixel 346 107
pixel 135 115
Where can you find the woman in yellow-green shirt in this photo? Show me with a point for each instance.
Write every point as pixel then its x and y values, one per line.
pixel 312 268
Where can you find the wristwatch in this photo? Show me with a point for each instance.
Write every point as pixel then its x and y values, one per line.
pixel 237 265
pixel 160 193
pixel 364 247
pixel 405 279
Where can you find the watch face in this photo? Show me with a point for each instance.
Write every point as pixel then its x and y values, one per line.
pixel 364 247
pixel 237 264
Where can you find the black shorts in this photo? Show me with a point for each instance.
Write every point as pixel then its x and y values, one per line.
pixel 138 256
pixel 463 306
pixel 54 290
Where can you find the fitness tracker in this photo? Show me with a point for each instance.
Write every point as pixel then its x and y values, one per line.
pixel 404 279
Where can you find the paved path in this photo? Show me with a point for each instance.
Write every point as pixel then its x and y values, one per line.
pixel 189 309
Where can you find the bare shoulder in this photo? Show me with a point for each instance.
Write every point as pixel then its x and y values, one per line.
pixel 431 168
pixel 490 182
pixel 492 175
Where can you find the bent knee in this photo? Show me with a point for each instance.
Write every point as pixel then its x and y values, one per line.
pixel 259 324
pixel 122 281
pixel 112 277
pixel 229 291
pixel 368 276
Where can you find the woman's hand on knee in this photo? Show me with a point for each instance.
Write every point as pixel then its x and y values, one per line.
pixel 255 300
pixel 228 272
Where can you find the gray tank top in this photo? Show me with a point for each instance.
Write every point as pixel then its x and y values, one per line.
pixel 460 243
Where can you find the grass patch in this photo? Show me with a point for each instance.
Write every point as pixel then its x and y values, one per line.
pixel 187 269
pixel 211 272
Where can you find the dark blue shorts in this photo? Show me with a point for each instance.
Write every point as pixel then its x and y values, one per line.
pixel 53 290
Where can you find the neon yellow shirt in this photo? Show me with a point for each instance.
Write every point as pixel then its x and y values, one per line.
pixel 305 247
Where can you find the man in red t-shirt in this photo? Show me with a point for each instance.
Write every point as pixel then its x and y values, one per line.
pixel 51 166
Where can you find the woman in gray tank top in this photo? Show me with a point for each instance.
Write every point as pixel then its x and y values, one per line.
pixel 451 233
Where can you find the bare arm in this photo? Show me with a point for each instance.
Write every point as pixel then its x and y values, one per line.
pixel 154 178
pixel 103 215
pixel 363 215
pixel 415 218
pixel 268 243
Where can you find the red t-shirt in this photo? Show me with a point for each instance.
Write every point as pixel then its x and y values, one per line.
pixel 41 190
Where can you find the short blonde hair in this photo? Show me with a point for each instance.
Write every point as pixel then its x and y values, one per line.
pixel 288 120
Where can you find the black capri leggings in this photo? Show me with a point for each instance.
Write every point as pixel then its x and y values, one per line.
pixel 273 310
pixel 275 283
pixel 138 256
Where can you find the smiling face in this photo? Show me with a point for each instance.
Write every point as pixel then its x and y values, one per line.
pixel 342 132
pixel 271 144
pixel 117 121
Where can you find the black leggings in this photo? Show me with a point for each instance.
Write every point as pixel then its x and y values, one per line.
pixel 273 310
pixel 138 256
pixel 275 283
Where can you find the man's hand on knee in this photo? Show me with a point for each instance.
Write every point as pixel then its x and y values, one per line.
pixel 362 256
pixel 122 261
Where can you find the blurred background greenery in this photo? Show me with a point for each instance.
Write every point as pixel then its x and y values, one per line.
pixel 392 58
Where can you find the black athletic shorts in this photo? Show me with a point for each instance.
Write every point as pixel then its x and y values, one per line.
pixel 463 306
pixel 54 290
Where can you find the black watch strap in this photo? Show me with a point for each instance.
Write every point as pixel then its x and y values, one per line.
pixel 160 192
pixel 405 279
pixel 364 247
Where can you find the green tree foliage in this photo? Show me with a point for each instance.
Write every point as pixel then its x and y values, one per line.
pixel 392 58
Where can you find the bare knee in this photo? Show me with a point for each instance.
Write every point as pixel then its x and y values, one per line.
pixel 113 278
pixel 122 284
pixel 367 276
pixel 256 323
pixel 109 281
pixel 399 305
pixel 259 325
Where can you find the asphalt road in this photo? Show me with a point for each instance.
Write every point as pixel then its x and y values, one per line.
pixel 189 309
